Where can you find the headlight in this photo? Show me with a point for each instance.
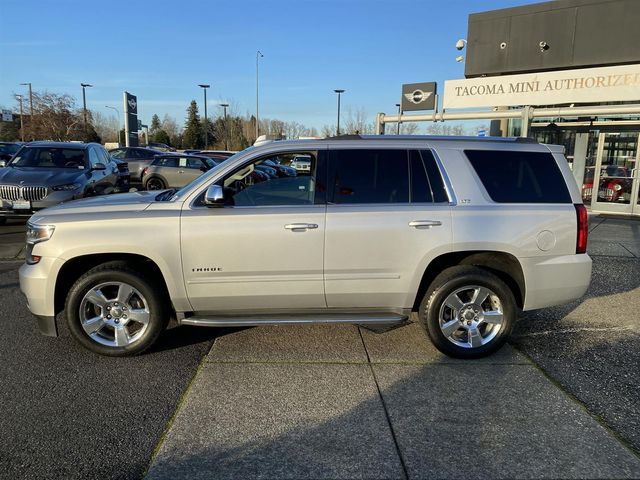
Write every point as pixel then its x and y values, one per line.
pixel 66 188
pixel 39 233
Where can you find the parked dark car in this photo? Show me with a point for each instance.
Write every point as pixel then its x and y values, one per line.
pixel 8 150
pixel 124 177
pixel 42 174
pixel 282 170
pixel 137 157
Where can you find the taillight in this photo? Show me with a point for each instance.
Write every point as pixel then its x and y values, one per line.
pixel 583 228
pixel 145 171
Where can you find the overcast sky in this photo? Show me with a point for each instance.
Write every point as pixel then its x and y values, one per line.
pixel 161 50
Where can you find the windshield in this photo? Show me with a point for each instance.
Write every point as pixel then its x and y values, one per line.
pixel 48 157
pixel 9 148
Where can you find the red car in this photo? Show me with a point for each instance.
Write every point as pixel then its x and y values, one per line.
pixel 614 184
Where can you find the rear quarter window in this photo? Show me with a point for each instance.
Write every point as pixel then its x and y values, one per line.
pixel 519 177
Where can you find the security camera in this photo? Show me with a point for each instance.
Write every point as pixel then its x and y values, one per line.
pixel 459 59
pixel 460 44
pixel 543 46
pixel 503 45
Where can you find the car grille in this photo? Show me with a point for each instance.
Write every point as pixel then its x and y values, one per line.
pixel 14 192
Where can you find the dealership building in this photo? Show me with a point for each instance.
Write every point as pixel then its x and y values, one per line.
pixel 564 72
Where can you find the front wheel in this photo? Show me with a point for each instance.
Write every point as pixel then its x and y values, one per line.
pixel 113 310
pixel 468 312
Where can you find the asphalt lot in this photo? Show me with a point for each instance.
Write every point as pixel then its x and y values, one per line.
pixel 65 412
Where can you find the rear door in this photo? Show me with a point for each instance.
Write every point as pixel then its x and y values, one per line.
pixel 388 215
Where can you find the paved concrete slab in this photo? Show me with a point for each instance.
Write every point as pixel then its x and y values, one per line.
pixel 291 343
pixel 495 421
pixel 245 421
pixel 410 344
pixel 610 249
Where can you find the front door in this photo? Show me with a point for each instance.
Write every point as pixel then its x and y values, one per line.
pixel 616 180
pixel 263 250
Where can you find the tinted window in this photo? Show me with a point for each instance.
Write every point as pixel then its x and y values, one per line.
pixel 119 154
pixel 426 181
pixel 94 157
pixel 194 163
pixel 369 176
pixel 519 177
pixel 144 153
pixel 166 162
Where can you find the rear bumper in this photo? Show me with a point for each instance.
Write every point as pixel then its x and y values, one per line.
pixel 557 280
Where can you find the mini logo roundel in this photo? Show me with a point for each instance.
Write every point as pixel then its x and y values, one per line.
pixel 132 103
pixel 417 96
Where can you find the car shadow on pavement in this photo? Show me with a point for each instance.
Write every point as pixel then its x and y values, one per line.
pixel 181 336
pixel 445 419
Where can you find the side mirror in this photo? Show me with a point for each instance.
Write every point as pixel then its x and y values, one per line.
pixel 99 166
pixel 214 197
pixel 3 163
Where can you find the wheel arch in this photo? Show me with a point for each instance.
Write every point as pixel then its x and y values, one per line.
pixel 73 268
pixel 504 265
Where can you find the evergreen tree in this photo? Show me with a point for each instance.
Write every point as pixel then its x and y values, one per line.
pixel 162 137
pixel 193 134
pixel 155 123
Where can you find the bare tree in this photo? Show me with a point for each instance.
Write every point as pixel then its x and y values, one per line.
pixel 106 127
pixel 57 117
pixel 356 123
pixel 328 131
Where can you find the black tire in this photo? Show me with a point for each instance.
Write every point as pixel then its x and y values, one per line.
pixel 451 281
pixel 118 271
pixel 154 183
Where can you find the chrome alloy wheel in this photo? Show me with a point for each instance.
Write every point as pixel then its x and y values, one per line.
pixel 471 316
pixel 114 314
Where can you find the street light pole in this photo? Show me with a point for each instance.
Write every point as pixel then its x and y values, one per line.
pixel 30 110
pixel 398 127
pixel 339 92
pixel 19 98
pixel 206 120
pixel 84 102
pixel 226 131
pixel 258 55
pixel 117 129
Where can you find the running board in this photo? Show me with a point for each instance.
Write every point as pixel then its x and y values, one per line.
pixel 256 320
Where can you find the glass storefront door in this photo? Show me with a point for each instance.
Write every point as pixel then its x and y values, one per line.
pixel 612 184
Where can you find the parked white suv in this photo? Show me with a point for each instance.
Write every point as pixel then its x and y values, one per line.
pixel 464 231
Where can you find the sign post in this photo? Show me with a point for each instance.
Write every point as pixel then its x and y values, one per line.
pixel 130 119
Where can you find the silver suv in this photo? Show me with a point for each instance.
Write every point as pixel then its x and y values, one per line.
pixel 464 231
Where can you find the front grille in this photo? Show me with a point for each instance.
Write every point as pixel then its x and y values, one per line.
pixel 14 192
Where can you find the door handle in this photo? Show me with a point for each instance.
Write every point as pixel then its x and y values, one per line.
pixel 300 226
pixel 425 223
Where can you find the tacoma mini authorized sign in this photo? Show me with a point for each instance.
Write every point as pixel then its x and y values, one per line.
pixel 587 85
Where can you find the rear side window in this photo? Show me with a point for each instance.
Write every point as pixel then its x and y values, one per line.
pixel 166 162
pixel 426 182
pixel 369 176
pixel 519 177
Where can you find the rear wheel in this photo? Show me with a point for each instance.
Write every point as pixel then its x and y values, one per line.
pixel 155 183
pixel 113 310
pixel 468 312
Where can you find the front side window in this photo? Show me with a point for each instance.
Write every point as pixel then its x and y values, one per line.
pixel 94 158
pixel 369 176
pixel 256 184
